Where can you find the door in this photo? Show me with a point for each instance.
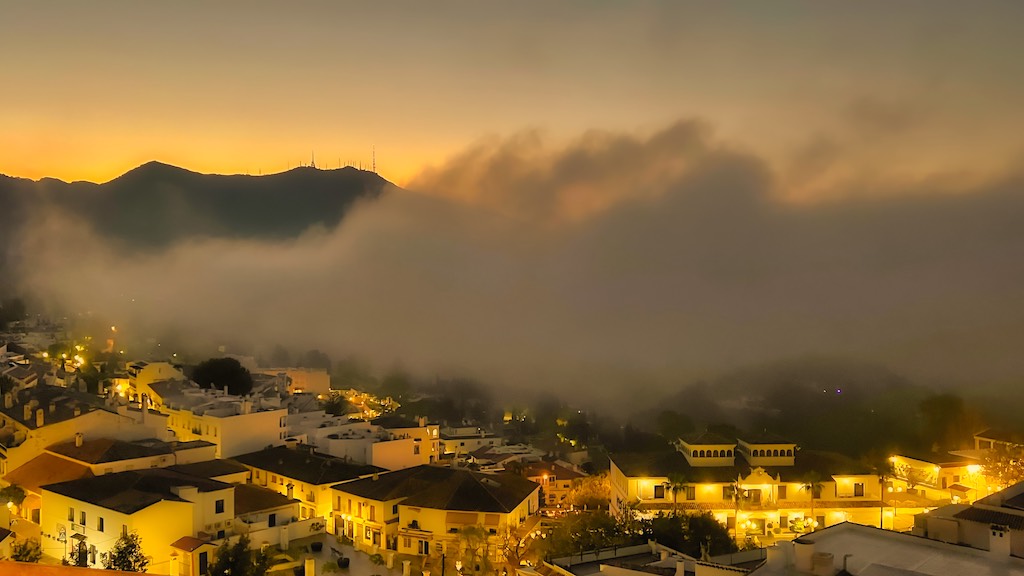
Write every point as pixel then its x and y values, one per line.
pixel 858 489
pixel 272 520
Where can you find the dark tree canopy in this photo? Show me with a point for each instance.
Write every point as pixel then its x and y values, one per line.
pixel 221 372
pixel 238 560
pixel 126 555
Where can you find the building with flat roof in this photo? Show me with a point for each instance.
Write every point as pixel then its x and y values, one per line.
pixel 853 549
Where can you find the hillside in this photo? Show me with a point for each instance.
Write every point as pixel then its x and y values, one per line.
pixel 156 205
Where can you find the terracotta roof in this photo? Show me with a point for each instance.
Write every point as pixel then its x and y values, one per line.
pixel 210 468
pixel 131 491
pixel 985 516
pixel 188 543
pixel 253 498
pixel 535 469
pixel 100 450
pixel 445 489
pixel 305 466
pixel 661 463
pixel 707 438
pixel 46 469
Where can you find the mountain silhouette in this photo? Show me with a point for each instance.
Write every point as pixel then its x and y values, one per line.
pixel 156 205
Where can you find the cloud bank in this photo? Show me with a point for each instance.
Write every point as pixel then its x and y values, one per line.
pixel 614 264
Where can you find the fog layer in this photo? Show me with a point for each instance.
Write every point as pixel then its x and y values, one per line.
pixel 617 262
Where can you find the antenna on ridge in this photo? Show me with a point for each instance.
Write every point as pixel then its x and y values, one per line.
pixel 374 154
pixel 312 159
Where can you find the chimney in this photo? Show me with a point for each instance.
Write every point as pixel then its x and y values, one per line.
pixel 8 400
pixel 78 440
pixel 291 490
pixel 423 421
pixel 999 541
pixel 246 406
pixel 78 411
pixel 28 413
pixel 39 418
pixel 144 407
pixel 52 407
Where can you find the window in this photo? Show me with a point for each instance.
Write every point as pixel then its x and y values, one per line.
pixel 71 514
pixel 858 489
pixel 204 561
pixel 659 491
pixel 99 523
pixel 367 534
pixel 416 449
pixel 81 515
pixel 220 534
pixel 219 506
pixel 124 529
pixel 691 493
pixel 373 510
pixel 406 542
pixel 783 492
pixel 394 510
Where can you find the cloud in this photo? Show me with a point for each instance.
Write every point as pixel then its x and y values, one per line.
pixel 609 267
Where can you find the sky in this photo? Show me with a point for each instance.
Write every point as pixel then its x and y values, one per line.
pixel 599 195
pixel 93 89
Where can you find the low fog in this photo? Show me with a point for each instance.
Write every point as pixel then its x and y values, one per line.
pixel 614 262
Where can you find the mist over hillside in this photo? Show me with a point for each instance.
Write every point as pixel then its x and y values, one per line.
pixel 157 205
pixel 599 269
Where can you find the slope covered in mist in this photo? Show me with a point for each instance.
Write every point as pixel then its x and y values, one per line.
pixel 157 205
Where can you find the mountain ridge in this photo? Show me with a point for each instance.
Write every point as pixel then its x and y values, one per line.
pixel 155 204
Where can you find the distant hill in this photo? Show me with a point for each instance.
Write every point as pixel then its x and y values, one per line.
pixel 156 205
pixel 824 403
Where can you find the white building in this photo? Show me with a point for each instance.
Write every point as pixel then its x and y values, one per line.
pixel 236 425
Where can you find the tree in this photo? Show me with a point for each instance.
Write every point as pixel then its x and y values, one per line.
pixel 317 360
pixel 813 484
pixel 238 560
pixel 512 545
pixel 590 492
pixel 672 424
pixel 335 405
pixel 884 469
pixel 126 555
pixel 1005 464
pixel 474 548
pixel 221 372
pixel 14 494
pixel 28 550
pixel 280 358
pixel 676 482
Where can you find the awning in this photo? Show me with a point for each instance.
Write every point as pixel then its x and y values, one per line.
pixel 959 488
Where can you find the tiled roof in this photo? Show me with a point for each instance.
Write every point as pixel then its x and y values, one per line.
pixel 46 469
pixel 445 489
pixel 101 450
pixel 63 400
pixel 535 469
pixel 986 516
pixel 305 466
pixel 188 543
pixel 662 463
pixel 129 492
pixel 706 438
pixel 252 498
pixel 210 468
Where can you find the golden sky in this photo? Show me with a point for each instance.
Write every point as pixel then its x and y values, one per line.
pixel 89 90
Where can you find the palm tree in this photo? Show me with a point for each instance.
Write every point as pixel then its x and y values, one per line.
pixel 676 482
pixel 813 484
pixel 884 469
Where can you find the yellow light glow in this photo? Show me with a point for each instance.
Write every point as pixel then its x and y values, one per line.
pixel 46 355
pixel 973 468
